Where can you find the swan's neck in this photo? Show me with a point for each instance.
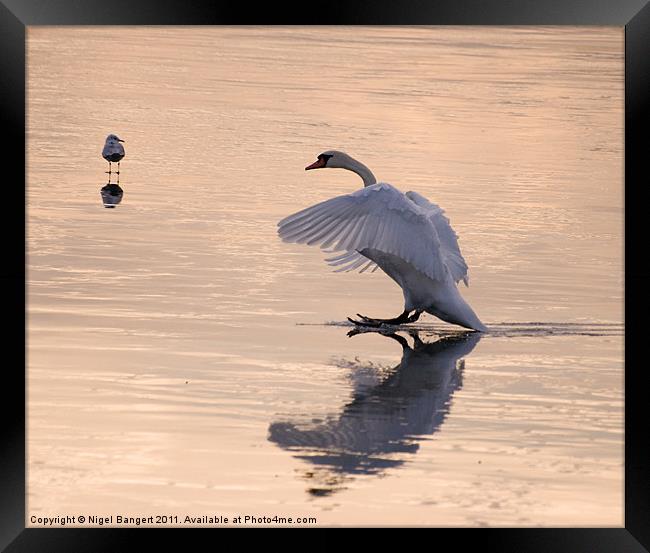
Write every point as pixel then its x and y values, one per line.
pixel 361 170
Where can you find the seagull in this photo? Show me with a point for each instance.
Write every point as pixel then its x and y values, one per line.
pixel 403 234
pixel 113 151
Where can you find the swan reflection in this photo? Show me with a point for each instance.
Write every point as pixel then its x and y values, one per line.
pixel 383 421
pixel 111 195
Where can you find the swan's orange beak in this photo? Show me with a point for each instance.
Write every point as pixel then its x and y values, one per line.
pixel 317 164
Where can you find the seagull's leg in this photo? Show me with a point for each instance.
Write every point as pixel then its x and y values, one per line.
pixel 403 318
pixel 109 172
pixel 118 173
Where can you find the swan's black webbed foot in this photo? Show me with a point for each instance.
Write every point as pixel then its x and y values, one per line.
pixel 403 318
pixel 365 322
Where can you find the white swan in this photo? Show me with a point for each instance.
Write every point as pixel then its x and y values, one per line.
pixel 407 236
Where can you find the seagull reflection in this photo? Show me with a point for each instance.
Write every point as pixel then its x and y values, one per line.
pixel 382 422
pixel 111 195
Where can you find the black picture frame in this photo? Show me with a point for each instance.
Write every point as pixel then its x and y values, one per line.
pixel 17 15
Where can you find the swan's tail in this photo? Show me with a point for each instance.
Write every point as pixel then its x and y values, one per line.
pixel 456 310
pixel 466 320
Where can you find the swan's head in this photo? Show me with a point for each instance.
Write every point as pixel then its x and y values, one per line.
pixel 334 158
pixel 331 158
pixel 112 138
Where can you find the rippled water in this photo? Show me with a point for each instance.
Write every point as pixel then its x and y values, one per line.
pixel 182 360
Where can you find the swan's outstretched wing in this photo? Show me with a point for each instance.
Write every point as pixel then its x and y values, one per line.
pixel 351 260
pixel 448 238
pixel 378 217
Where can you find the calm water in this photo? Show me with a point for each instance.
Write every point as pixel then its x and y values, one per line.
pixel 182 360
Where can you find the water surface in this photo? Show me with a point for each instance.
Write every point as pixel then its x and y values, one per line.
pixel 181 359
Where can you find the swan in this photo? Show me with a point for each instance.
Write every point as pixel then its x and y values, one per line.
pixel 404 234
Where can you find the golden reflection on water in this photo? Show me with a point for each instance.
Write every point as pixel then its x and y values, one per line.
pixel 163 344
